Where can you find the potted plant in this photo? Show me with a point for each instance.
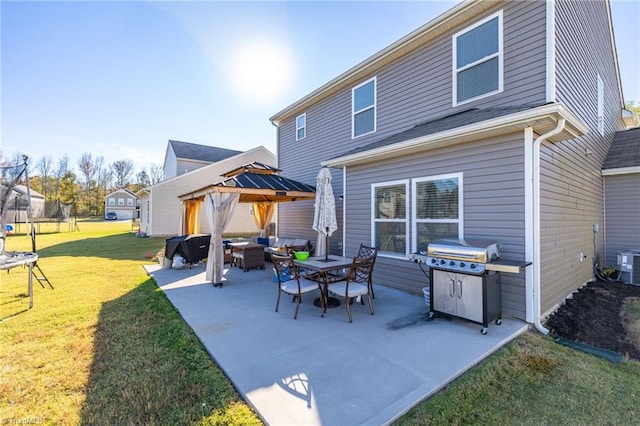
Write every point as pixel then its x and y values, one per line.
pixel 611 272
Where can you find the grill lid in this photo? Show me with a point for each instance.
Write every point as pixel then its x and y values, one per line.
pixel 470 249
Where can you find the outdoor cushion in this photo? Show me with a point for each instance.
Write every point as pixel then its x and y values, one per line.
pixel 291 287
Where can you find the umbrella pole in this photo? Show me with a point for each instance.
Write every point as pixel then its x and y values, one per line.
pixel 326 246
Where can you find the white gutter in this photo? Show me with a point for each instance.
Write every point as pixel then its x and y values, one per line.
pixel 536 222
pixel 621 171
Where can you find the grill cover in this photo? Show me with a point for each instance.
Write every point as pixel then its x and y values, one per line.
pixel 473 250
pixel 192 247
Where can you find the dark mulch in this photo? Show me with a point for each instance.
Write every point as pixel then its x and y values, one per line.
pixel 593 316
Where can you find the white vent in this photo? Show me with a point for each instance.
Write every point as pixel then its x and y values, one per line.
pixel 629 265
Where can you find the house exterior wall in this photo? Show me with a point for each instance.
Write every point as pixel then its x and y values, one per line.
pixel 572 198
pixel 418 87
pixel 493 196
pixel 165 207
pixel 412 90
pixel 170 165
pixel 622 222
pixel 185 166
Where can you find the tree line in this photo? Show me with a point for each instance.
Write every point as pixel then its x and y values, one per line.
pixel 85 187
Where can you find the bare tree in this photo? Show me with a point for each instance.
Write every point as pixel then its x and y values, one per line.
pixel 88 169
pixel 62 168
pixel 122 171
pixel 157 174
pixel 45 168
pixel 142 178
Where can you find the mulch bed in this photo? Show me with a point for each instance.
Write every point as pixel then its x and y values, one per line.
pixel 593 316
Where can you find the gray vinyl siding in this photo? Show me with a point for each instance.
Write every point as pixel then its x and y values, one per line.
pixel 622 198
pixel 418 88
pixel 572 197
pixel 412 90
pixel 493 176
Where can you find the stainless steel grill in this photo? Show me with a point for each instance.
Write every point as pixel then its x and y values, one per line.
pixel 465 255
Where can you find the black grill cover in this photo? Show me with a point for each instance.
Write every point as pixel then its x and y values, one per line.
pixel 192 247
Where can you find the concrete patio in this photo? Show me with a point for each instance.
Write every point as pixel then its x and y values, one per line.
pixel 326 371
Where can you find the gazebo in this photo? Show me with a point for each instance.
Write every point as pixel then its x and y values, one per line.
pixel 254 183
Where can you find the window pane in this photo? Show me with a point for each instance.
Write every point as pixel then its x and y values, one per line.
pixel 478 80
pixel 477 43
pixel 428 232
pixel 300 133
pixel 300 121
pixel 363 96
pixel 363 122
pixel 390 202
pixel 437 199
pixel 390 237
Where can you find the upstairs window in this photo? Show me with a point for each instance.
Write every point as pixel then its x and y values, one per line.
pixel 600 105
pixel 363 99
pixel 301 127
pixel 121 201
pixel 112 201
pixel 477 60
pixel 130 202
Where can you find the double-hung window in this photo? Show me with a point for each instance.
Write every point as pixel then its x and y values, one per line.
pixel 112 201
pixel 301 126
pixel 477 60
pixel 363 100
pixel 437 209
pixel 390 207
pixel 600 100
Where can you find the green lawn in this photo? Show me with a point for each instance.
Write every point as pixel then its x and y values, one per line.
pixel 106 347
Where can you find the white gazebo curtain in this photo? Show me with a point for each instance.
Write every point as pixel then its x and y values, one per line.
pixel 219 208
pixel 262 214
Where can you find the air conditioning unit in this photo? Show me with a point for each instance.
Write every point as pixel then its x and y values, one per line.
pixel 629 265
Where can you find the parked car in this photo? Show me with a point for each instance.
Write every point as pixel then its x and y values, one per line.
pixel 111 216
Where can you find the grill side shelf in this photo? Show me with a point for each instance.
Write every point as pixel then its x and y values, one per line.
pixel 510 266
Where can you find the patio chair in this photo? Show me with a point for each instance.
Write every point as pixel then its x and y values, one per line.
pixel 288 278
pixel 357 283
pixel 368 252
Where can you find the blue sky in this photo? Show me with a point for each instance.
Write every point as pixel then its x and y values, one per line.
pixel 119 79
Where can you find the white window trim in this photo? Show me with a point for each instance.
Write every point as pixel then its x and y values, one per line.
pixel 111 201
pixel 600 100
pixel 302 127
pixel 499 54
pixel 414 210
pixel 374 107
pixel 374 220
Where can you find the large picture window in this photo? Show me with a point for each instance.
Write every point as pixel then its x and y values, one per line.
pixel 364 108
pixel 390 217
pixel 437 209
pixel 477 60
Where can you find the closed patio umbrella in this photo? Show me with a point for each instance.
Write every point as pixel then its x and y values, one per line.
pixel 324 216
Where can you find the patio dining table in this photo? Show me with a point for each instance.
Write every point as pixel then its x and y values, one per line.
pixel 324 267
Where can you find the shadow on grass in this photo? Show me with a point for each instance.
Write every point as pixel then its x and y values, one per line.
pixel 118 247
pixel 149 368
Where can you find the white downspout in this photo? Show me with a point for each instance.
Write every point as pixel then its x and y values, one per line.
pixel 536 223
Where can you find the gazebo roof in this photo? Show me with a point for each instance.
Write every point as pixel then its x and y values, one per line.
pixel 256 182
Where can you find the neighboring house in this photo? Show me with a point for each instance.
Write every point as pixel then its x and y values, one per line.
pixel 17 206
pixel 491 121
pixel 123 203
pixel 183 157
pixel 161 209
pixel 621 173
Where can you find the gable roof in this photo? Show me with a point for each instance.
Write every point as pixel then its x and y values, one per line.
pixel 192 151
pixel 125 190
pixel 466 126
pixel 22 190
pixel 624 154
